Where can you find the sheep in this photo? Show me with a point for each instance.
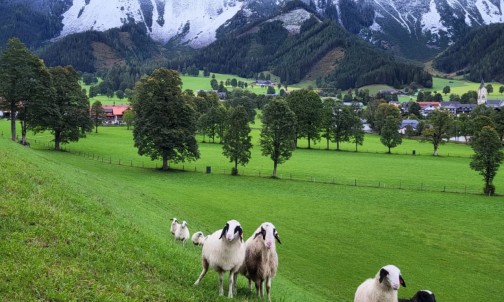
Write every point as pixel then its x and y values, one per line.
pixel 182 232
pixel 261 258
pixel 421 296
pixel 174 225
pixel 382 288
pixel 224 251
pixel 198 238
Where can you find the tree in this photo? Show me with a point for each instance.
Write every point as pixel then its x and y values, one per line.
pixel 165 123
pixel 66 115
pixel 382 112
pixel 327 120
pixel 446 90
pixel 489 88
pixel 501 89
pixel 498 120
pixel 237 139
pixel 97 114
pixel 129 118
pixel 308 109
pixel 414 108
pixel 487 156
pixel 440 123
pixel 371 109
pixel 23 78
pixel 390 136
pixel 213 83
pixel 119 94
pixel 357 131
pixel 278 132
pixel 270 90
pixel 343 122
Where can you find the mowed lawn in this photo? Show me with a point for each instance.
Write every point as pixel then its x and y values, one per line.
pixel 333 237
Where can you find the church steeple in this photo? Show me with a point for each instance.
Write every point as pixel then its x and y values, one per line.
pixel 482 93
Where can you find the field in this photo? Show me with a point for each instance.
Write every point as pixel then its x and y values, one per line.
pixel 456 86
pixel 79 228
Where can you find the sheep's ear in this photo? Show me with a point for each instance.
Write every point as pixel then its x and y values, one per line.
pixel 401 280
pixel 383 274
pixel 240 232
pixel 262 232
pixel 275 233
pixel 224 230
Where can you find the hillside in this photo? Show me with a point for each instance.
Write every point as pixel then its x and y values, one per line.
pixel 96 51
pixel 478 55
pixel 291 56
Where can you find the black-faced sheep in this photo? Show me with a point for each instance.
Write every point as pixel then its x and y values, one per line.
pixel 224 251
pixel 261 258
pixel 382 288
pixel 174 225
pixel 421 296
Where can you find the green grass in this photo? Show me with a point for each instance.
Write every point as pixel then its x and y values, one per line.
pixel 75 228
pixel 462 86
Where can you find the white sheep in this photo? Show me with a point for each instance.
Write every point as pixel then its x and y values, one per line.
pixel 382 288
pixel 198 238
pixel 182 232
pixel 224 251
pixel 261 258
pixel 174 225
pixel 421 296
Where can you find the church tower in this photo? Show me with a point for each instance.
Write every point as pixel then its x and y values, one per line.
pixel 482 94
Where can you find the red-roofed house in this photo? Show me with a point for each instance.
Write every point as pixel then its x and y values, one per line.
pixel 114 113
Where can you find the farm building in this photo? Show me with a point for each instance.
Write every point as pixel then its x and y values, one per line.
pixel 114 113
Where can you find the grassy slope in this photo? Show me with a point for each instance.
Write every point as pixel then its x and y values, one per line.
pixel 333 236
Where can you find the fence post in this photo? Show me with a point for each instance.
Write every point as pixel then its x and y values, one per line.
pixel 119 162
pixel 356 182
pixel 444 189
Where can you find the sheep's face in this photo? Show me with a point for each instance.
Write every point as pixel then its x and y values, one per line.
pixel 184 224
pixel 173 225
pixel 268 233
pixel 232 230
pixel 391 275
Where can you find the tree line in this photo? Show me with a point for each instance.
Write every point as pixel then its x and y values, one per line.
pixel 167 119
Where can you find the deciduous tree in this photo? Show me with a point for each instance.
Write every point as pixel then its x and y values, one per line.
pixel 97 114
pixel 390 136
pixel 487 156
pixel 308 109
pixel 165 123
pixel 278 132
pixel 237 139
pixel 440 123
pixel 66 115
pixel 22 77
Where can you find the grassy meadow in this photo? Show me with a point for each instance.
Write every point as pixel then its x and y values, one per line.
pixel 80 228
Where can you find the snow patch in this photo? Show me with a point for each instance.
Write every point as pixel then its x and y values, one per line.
pixel 431 21
pixel 292 20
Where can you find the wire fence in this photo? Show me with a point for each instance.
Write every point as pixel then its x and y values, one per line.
pixel 267 173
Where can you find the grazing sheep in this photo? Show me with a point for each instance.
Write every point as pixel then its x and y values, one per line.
pixel 182 232
pixel 174 225
pixel 421 296
pixel 224 251
pixel 382 288
pixel 198 238
pixel 261 258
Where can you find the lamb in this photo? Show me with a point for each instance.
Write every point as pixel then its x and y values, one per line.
pixel 261 258
pixel 382 288
pixel 421 296
pixel 224 251
pixel 174 225
pixel 198 238
pixel 182 232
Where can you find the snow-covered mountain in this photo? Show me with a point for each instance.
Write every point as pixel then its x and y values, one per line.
pixel 387 23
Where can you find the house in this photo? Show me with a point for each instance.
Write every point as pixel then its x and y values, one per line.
pixel 114 113
pixel 428 107
pixel 495 104
pixel 405 123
